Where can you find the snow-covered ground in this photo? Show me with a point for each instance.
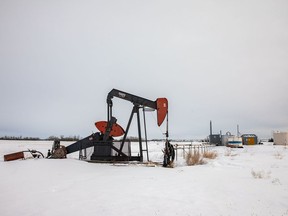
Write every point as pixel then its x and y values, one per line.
pixel 227 185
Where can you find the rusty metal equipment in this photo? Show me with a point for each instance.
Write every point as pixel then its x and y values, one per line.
pixel 14 156
pixel 58 151
pixel 20 155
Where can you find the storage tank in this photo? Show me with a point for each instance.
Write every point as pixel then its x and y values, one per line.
pixel 235 142
pixel 280 138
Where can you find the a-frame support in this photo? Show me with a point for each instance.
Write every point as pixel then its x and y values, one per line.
pixel 134 110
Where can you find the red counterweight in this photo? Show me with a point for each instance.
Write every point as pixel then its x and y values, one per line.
pixel 162 109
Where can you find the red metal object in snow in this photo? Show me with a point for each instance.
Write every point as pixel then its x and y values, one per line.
pixel 14 156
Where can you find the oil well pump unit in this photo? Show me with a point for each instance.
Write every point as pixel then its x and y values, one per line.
pixel 103 141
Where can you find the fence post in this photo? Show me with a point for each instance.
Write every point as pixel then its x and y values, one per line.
pixel 184 152
pixel 176 147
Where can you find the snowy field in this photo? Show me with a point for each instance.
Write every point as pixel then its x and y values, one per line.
pixel 248 181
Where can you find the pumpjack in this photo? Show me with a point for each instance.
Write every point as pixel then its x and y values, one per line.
pixel 103 141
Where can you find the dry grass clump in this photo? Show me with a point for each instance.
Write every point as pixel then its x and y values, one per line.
pixel 276 181
pixel 194 159
pixel 278 155
pixel 171 165
pixel 210 155
pixel 229 152
pixel 260 174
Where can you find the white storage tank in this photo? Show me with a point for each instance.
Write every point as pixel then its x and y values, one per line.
pixel 235 142
pixel 280 138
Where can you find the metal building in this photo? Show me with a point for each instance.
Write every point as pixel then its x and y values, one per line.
pixel 280 138
pixel 249 139
pixel 215 139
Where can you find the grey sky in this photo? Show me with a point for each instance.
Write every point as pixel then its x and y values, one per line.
pixel 225 61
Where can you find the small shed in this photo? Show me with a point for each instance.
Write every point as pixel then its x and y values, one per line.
pixel 249 139
pixel 280 138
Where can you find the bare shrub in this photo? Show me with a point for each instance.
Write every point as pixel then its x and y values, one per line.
pixel 151 164
pixel 229 152
pixel 210 155
pixel 257 174
pixel 194 159
pixel 171 165
pixel 260 174
pixel 278 155
pixel 276 181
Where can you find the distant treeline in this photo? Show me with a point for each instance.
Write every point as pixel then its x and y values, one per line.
pixel 62 138
pixel 135 139
pixel 18 138
pixel 76 138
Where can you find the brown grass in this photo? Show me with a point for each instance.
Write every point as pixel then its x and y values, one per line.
pixel 194 159
pixel 210 155
pixel 171 165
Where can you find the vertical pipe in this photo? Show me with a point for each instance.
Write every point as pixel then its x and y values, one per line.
pixel 210 137
pixel 167 133
pixel 238 133
pixel 210 127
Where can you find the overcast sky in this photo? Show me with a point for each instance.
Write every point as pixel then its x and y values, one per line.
pixel 220 60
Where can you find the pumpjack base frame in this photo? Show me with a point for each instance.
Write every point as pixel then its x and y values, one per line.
pixel 105 159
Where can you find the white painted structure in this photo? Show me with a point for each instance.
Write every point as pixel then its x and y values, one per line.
pixel 235 142
pixel 280 138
